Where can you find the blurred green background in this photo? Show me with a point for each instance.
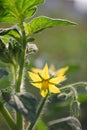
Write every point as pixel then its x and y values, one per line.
pixel 62 46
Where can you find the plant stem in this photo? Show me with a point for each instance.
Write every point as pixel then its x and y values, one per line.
pixel 19 118
pixel 66 119
pixel 32 125
pixel 19 121
pixel 77 84
pixel 7 117
pixel 21 64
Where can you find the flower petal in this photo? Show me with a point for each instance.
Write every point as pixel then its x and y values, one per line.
pixel 44 93
pixel 53 89
pixel 45 72
pixel 62 71
pixel 35 70
pixel 37 85
pixel 57 80
pixel 34 77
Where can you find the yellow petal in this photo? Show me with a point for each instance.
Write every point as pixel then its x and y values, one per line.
pixel 62 71
pixel 45 72
pixel 34 77
pixel 44 93
pixel 35 70
pixel 53 89
pixel 57 80
pixel 37 85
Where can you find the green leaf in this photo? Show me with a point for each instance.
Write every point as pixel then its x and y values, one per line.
pixel 9 11
pixel 4 31
pixel 4 82
pixel 14 31
pixel 43 22
pixel 41 125
pixel 30 39
pixel 24 103
pixel 82 98
pixel 16 11
pixel 28 7
pixel 6 36
pixel 28 13
pixel 23 5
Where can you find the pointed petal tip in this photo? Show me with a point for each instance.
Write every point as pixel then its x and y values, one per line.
pixel 54 89
pixel 45 72
pixel 46 65
pixel 62 71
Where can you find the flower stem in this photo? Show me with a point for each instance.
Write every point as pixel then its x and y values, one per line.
pixel 77 84
pixel 7 117
pixel 40 108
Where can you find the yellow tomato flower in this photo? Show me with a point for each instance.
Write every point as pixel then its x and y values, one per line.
pixel 46 82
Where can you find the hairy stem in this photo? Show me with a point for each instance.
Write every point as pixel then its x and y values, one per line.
pixel 71 120
pixel 7 117
pixel 77 84
pixel 40 108
pixel 19 118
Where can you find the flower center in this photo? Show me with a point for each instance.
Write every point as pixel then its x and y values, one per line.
pixel 45 84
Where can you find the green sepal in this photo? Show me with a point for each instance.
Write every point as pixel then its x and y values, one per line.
pixel 24 103
pixel 42 22
pixel 82 97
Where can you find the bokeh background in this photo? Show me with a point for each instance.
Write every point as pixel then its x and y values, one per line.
pixel 62 46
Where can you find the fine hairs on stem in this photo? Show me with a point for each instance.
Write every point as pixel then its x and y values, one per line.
pixel 39 110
